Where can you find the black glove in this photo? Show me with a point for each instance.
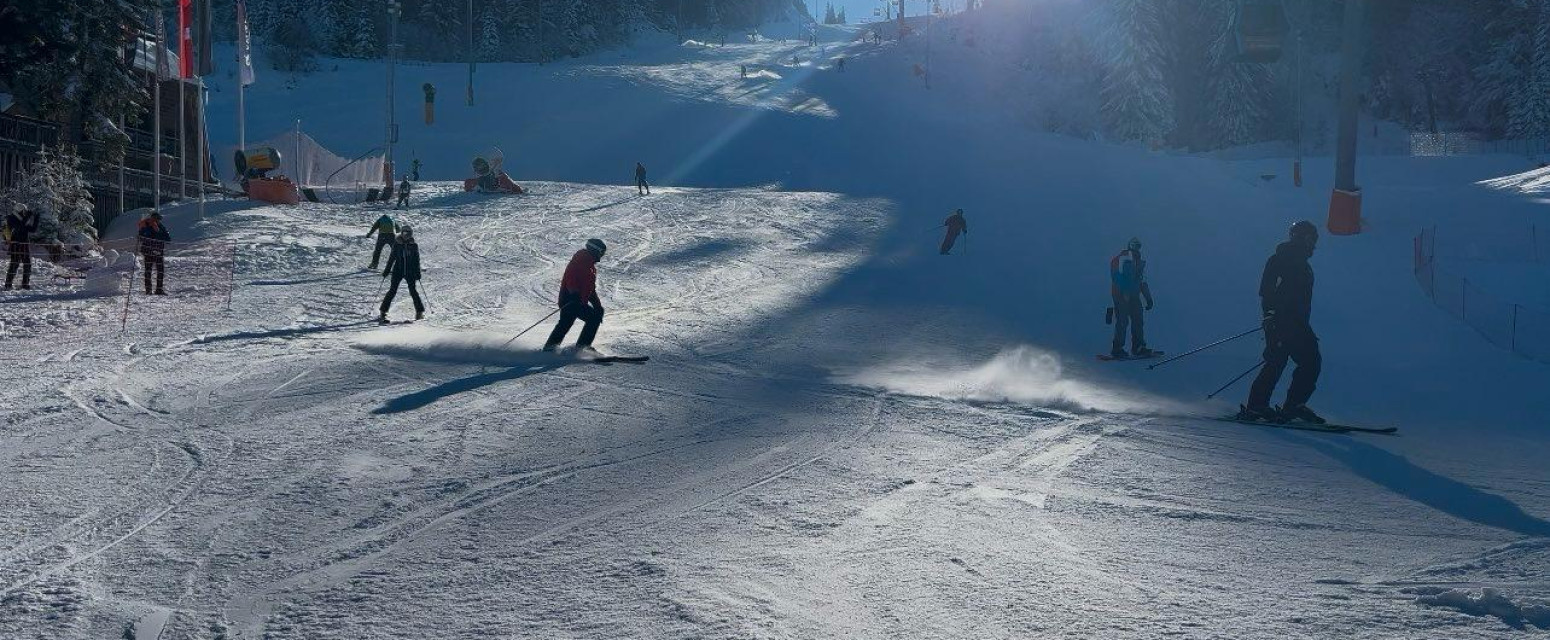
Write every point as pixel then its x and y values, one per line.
pixel 1148 304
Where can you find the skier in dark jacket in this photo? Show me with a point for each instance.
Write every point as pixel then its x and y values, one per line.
pixel 578 297
pixel 385 230
pixel 641 187
pixel 1128 287
pixel 1286 298
pixel 956 224
pixel 404 267
pixel 153 249
pixel 403 194
pixel 20 225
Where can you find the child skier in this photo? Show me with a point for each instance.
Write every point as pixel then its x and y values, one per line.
pixel 385 230
pixel 403 266
pixel 1286 298
pixel 956 225
pixel 578 297
pixel 1128 286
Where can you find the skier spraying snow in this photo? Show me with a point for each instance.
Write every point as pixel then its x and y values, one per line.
pixel 385 230
pixel 403 266
pixel 1286 298
pixel 153 248
pixel 956 225
pixel 20 225
pixel 403 193
pixel 1128 286
pixel 641 187
pixel 578 297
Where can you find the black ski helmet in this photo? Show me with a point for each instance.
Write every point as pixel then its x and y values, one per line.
pixel 1302 229
pixel 597 247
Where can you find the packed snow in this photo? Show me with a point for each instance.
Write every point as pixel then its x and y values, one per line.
pixel 840 433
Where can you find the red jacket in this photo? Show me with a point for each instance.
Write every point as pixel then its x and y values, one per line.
pixel 580 277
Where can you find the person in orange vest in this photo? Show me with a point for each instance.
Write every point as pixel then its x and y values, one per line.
pixel 578 297
pixel 1128 286
pixel 956 225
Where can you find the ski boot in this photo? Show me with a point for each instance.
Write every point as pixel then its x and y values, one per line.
pixel 382 319
pixel 1142 352
pixel 549 348
pixel 161 292
pixel 1119 354
pixel 419 315
pixel 1257 414
pixel 1301 413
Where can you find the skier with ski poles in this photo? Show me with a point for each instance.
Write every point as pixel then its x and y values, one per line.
pixel 641 187
pixel 1286 298
pixel 20 225
pixel 403 266
pixel 385 230
pixel 1128 286
pixel 956 225
pixel 153 249
pixel 578 297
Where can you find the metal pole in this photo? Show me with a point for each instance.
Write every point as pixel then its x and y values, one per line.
pixel 203 152
pixel 122 161
pixel 394 9
pixel 161 59
pixel 1350 95
pixel 1218 342
pixel 296 159
pixel 1235 380
pixel 530 327
pixel 182 142
pixel 470 53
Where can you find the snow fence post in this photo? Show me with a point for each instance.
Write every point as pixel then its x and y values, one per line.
pixel 231 275
pixel 129 290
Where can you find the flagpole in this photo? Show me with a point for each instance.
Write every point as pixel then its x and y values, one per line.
pixel 182 143
pixel 161 47
pixel 203 154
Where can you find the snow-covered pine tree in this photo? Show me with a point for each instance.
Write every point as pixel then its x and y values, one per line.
pixel 1137 102
pixel 828 13
pixel 1237 107
pixel 489 38
pixel 56 191
pixel 840 17
pixel 1528 114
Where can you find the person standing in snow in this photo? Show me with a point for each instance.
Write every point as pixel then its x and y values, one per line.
pixel 956 225
pixel 1286 298
pixel 578 297
pixel 403 266
pixel 403 193
pixel 414 170
pixel 20 225
pixel 153 248
pixel 745 71
pixel 1128 287
pixel 385 230
pixel 641 187
pixel 840 64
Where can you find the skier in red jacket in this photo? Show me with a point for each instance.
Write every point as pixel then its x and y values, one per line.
pixel 578 297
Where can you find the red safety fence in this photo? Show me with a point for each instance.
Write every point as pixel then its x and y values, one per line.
pixel 107 284
pixel 1504 323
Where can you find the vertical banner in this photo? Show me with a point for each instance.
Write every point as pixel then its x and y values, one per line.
pixel 185 39
pixel 244 44
pixel 203 33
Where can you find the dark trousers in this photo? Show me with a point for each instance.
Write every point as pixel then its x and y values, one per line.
pixel 1128 316
pixel 591 317
pixel 949 240
pixel 21 257
pixel 641 186
pixel 155 262
pixel 383 240
pixel 1295 342
pixel 414 293
pixel 403 200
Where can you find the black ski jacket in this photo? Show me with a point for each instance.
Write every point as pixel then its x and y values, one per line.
pixel 1287 285
pixel 404 261
pixel 21 230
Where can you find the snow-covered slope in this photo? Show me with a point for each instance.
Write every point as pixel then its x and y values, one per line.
pixel 841 433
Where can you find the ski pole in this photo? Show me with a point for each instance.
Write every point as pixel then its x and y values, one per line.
pixel 1235 380
pixel 1214 344
pixel 530 327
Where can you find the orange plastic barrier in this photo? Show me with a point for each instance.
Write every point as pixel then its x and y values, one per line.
pixel 1345 212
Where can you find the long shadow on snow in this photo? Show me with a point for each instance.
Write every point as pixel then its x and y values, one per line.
pixel 1396 473
pixel 420 399
pixel 280 333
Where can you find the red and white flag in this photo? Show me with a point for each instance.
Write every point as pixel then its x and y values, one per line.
pixel 185 39
pixel 244 44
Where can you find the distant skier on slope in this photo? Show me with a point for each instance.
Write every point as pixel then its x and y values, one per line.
pixel 20 225
pixel 1286 298
pixel 956 225
pixel 578 297
pixel 403 193
pixel 403 266
pixel 745 71
pixel 1128 286
pixel 641 187
pixel 385 230
pixel 153 250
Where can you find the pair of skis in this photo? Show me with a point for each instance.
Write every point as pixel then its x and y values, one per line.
pixel 1328 427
